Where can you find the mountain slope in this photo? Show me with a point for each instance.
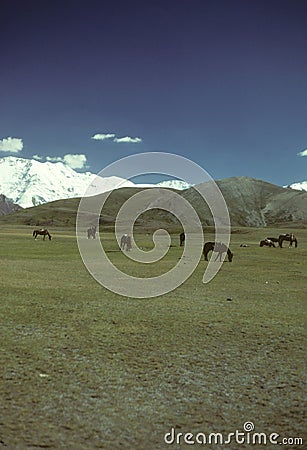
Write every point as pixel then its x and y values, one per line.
pixel 250 202
pixel 63 212
pixel 253 202
pixel 31 183
pixel 7 206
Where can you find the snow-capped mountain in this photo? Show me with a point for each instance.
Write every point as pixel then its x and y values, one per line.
pixel 28 182
pixel 175 184
pixel 301 186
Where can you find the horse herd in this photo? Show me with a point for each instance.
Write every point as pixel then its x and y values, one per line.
pixel 221 248
pixel 271 241
pixel 217 247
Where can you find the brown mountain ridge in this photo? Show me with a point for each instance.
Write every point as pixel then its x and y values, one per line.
pixel 251 202
pixel 7 206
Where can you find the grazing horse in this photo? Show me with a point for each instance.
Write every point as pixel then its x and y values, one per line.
pixel 267 243
pixel 125 242
pixel 91 232
pixel 273 239
pixel 43 232
pixel 182 238
pixel 219 248
pixel 287 237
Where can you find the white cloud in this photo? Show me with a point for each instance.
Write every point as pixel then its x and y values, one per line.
pixel 37 157
pixel 128 139
pixel 54 159
pixel 303 153
pixel 102 137
pixel 11 145
pixel 118 140
pixel 75 161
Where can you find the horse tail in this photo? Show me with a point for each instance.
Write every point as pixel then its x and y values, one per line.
pixel 33 233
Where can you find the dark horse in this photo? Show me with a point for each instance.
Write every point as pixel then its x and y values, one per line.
pixel 268 242
pixel 273 239
pixel 43 232
pixel 219 248
pixel 287 237
pixel 182 238
pixel 91 232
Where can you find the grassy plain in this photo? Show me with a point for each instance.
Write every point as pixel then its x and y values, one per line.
pixel 83 368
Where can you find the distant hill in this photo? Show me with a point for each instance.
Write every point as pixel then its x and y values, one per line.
pixel 7 206
pixel 62 213
pixel 251 202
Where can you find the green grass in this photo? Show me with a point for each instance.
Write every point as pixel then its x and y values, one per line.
pixel 83 368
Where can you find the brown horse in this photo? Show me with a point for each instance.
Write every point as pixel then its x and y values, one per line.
pixel 219 248
pixel 287 237
pixel 42 232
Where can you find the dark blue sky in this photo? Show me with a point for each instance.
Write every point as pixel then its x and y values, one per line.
pixel 223 83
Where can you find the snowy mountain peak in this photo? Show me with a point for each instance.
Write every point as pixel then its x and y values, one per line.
pixel 300 186
pixel 28 182
pixel 175 184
